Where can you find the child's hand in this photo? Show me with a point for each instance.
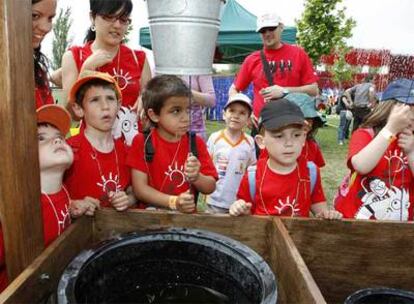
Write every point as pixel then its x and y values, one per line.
pixel 406 141
pixel 399 119
pixel 192 168
pixel 330 214
pixel 86 206
pixel 185 202
pixel 120 200
pixel 240 207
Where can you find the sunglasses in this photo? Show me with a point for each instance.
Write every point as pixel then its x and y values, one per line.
pixel 124 20
pixel 265 29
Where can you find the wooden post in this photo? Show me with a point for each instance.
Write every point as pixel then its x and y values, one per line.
pixel 19 169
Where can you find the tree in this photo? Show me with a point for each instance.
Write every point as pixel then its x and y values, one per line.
pixel 323 27
pixel 60 40
pixel 341 70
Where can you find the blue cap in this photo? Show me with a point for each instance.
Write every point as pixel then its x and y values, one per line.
pixel 307 105
pixel 401 90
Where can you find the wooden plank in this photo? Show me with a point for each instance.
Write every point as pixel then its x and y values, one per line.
pixel 28 287
pixel 19 175
pixel 345 256
pixel 248 230
pixel 295 282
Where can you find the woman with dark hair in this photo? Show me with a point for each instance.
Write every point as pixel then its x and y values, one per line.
pixel 43 12
pixel 104 51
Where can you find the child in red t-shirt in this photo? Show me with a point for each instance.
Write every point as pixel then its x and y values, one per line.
pixel 311 150
pixel 381 160
pixel 55 156
pixel 164 173
pixel 99 173
pixel 282 183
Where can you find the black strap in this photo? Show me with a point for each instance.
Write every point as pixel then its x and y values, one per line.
pixel 150 151
pixel 266 68
pixel 149 147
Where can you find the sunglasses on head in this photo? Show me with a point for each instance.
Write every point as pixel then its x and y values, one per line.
pixel 265 29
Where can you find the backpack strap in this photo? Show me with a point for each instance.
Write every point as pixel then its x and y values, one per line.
pixel 266 68
pixel 149 147
pixel 193 143
pixel 251 176
pixel 313 174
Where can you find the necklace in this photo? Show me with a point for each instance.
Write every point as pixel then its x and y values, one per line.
pixel 60 223
pixel 112 184
pixel 291 205
pixel 170 165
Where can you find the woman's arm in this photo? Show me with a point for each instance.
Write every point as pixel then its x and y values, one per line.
pixel 206 97
pixel 69 72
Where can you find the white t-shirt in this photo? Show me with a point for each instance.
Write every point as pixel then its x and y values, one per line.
pixel 231 161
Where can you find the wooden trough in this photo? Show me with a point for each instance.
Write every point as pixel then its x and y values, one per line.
pixel 315 261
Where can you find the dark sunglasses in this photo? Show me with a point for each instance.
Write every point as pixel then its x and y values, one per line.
pixel 112 19
pixel 265 29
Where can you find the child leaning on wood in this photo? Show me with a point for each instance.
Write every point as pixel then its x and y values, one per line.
pixel 284 183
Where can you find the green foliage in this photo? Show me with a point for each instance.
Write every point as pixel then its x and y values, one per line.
pixel 341 71
pixel 323 27
pixel 60 40
pixel 128 31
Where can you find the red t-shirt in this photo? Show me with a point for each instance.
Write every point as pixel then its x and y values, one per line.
pixel 126 68
pixel 311 152
pixel 166 171
pixel 94 173
pixel 381 193
pixel 282 194
pixel 297 71
pixel 56 218
pixel 55 213
pixel 43 96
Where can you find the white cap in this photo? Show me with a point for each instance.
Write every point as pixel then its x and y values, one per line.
pixel 267 20
pixel 240 97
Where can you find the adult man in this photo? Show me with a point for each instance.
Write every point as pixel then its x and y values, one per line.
pixel 289 67
pixel 364 98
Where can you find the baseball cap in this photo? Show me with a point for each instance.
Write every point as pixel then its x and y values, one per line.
pixel 54 115
pixel 307 105
pixel 240 97
pixel 267 20
pixel 401 89
pixel 280 113
pixel 87 76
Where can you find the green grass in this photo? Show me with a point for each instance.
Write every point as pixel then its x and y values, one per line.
pixel 335 155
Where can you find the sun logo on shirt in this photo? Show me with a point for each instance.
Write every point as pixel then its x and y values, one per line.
pixel 122 78
pixel 176 174
pixel 397 161
pixel 287 207
pixel 110 184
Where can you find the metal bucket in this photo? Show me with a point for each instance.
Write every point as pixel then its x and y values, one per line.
pixel 183 35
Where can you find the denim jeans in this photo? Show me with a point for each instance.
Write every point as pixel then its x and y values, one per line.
pixel 343 129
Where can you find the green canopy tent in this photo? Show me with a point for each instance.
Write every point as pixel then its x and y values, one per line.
pixel 237 36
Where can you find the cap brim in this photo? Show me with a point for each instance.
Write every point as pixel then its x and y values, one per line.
pixel 81 81
pixel 247 104
pixel 283 121
pixel 54 115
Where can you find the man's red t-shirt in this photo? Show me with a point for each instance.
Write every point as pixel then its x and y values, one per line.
pixel 282 194
pixel 297 71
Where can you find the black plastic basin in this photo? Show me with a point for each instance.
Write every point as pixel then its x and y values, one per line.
pixel 176 265
pixel 381 295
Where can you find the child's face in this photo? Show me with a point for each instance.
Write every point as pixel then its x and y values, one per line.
pixel 173 120
pixel 236 116
pixel 53 149
pixel 99 108
pixel 284 145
